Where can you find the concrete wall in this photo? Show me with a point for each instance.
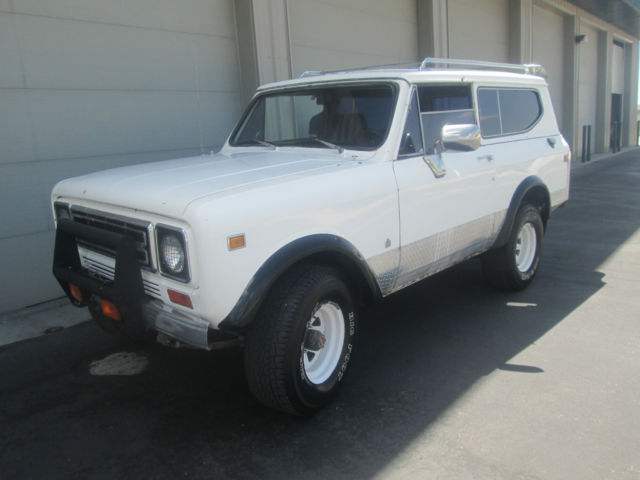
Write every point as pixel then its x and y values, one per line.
pixel 88 85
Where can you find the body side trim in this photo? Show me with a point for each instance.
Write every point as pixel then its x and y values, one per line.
pixel 437 252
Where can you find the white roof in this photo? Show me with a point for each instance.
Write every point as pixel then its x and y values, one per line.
pixel 413 76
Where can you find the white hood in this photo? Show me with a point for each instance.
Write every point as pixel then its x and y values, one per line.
pixel 168 187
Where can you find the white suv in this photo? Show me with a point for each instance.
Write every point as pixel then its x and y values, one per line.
pixel 335 189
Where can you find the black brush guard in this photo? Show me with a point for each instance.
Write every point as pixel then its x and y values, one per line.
pixel 126 291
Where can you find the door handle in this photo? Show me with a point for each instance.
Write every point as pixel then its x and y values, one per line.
pixel 552 142
pixel 486 157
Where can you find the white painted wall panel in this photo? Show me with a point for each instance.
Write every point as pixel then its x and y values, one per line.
pixel 617 69
pixel 548 50
pixel 10 64
pixel 587 83
pixel 328 35
pixel 71 54
pixel 479 29
pixel 27 276
pixel 188 16
pixel 87 85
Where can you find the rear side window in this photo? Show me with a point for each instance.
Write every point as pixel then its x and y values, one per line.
pixel 507 111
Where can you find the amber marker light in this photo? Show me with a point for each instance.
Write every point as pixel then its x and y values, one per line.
pixel 236 241
pixel 180 298
pixel 76 293
pixel 110 310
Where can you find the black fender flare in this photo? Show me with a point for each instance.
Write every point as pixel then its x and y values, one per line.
pixel 298 250
pixel 526 186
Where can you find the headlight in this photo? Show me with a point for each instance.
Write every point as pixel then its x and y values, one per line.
pixel 172 253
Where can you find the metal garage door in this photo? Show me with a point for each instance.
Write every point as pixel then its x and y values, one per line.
pixel 92 86
pixel 334 34
pixel 479 29
pixel 548 50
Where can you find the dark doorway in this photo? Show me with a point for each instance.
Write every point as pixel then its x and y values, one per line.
pixel 615 142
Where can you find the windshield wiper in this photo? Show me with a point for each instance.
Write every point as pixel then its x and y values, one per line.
pixel 329 144
pixel 261 142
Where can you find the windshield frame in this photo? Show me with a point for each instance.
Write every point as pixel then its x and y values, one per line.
pixel 315 86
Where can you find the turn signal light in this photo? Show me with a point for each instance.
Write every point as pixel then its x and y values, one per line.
pixel 236 241
pixel 110 310
pixel 76 293
pixel 180 298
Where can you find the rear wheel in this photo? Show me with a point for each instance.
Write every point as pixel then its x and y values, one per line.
pixel 513 266
pixel 298 351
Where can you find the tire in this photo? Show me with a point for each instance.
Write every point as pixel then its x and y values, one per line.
pixel 299 349
pixel 513 266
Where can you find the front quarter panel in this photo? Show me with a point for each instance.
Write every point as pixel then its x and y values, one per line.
pixel 355 201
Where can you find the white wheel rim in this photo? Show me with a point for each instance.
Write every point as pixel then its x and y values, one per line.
pixel 322 342
pixel 526 247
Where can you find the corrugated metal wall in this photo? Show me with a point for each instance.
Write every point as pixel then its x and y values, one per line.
pixel 88 85
pixel 548 50
pixel 479 29
pixel 334 34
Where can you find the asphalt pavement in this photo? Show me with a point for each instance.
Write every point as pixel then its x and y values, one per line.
pixel 451 379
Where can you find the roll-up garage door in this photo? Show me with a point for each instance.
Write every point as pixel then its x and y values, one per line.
pixel 335 34
pixel 479 29
pixel 548 50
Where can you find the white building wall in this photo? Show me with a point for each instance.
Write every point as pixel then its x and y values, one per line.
pixel 587 84
pixel 334 34
pixel 479 29
pixel 548 50
pixel 617 69
pixel 89 84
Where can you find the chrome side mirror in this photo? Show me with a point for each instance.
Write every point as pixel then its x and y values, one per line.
pixel 463 137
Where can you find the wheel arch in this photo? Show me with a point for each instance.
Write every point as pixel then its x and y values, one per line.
pixel 321 249
pixel 531 190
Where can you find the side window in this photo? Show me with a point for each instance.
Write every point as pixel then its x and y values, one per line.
pixel 442 105
pixel 519 110
pixel 411 143
pixel 507 111
pixel 488 112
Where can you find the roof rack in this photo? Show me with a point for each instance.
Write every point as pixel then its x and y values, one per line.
pixel 528 68
pixel 433 63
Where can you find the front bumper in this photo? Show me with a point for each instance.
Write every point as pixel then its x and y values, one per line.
pixel 141 316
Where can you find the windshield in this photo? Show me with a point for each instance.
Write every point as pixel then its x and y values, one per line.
pixel 355 117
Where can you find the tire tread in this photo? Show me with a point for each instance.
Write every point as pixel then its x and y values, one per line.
pixel 267 342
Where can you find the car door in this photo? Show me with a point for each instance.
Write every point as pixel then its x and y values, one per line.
pixel 446 204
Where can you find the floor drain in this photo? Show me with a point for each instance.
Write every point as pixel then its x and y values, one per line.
pixel 123 363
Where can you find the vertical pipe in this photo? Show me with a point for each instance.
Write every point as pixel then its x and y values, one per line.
pixel 584 141
pixel 589 143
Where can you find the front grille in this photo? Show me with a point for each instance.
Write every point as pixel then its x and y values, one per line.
pixel 137 230
pixel 104 270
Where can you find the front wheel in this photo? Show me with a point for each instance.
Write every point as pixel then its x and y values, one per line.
pixel 513 266
pixel 298 351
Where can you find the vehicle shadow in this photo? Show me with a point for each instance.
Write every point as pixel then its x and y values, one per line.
pixel 191 414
